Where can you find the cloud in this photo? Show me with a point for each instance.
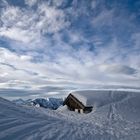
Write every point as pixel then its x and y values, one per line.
pixel 31 2
pixel 27 25
pixel 104 18
pixel 62 45
pixel 17 34
pixel 93 4
pixel 54 19
pixel 65 70
pixel 58 3
pixel 119 69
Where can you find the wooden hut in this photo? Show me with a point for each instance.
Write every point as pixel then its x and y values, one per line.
pixel 74 104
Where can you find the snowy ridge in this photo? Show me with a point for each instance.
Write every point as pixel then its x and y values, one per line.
pixel 96 97
pixel 116 120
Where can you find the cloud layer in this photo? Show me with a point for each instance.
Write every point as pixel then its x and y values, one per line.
pixel 68 44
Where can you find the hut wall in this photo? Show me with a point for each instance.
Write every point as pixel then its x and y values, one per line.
pixel 72 104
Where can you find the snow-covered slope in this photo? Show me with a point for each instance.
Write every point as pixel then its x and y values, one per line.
pixel 116 120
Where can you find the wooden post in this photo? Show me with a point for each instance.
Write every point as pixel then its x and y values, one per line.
pixel 76 110
pixel 81 111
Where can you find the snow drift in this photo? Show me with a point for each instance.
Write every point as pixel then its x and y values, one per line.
pixel 103 96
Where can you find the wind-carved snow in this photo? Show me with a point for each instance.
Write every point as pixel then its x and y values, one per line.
pixel 119 119
pixel 101 97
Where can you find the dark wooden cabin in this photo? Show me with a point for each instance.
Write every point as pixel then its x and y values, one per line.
pixel 75 105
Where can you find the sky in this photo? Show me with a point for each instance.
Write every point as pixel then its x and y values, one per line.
pixel 49 47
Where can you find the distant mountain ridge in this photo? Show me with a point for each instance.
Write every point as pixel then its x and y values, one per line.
pixel 51 103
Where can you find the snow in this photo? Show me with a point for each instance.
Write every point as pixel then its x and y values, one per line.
pixel 101 97
pixel 117 119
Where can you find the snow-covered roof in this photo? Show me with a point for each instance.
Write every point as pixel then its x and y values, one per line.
pixel 101 97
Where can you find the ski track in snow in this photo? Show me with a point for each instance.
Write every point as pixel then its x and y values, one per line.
pixel 107 122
